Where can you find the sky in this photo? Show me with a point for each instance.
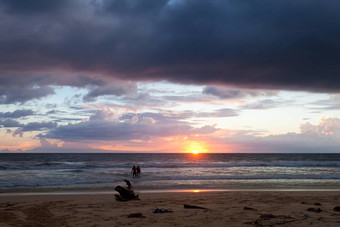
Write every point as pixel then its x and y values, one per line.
pixel 220 76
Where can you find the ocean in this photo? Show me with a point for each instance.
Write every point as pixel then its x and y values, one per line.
pixel 102 172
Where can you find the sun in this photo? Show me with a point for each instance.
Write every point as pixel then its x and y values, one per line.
pixel 195 152
pixel 195 147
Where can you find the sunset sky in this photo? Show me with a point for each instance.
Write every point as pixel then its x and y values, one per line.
pixel 170 76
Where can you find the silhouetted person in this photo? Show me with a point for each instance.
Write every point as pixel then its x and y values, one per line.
pixel 138 170
pixel 134 171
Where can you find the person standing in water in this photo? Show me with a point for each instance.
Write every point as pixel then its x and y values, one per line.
pixel 134 171
pixel 138 170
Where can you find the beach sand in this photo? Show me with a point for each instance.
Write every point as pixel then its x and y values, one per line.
pixel 242 208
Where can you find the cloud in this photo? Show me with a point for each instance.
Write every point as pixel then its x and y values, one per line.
pixel 321 138
pixel 225 112
pixel 104 114
pixel 16 114
pixel 34 126
pixel 47 144
pixel 118 89
pixel 183 115
pixel 33 6
pixel 262 104
pixel 37 126
pixel 21 128
pixel 254 44
pixel 129 130
pixel 327 126
pixel 104 127
pixel 332 103
pixel 233 93
pixel 9 123
pixel 20 88
pixel 20 94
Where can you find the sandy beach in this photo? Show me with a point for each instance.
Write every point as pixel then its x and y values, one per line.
pixel 242 208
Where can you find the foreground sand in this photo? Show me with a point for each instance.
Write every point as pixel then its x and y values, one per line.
pixel 225 209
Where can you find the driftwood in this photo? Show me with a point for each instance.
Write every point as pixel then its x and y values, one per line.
pixel 249 208
pixel 316 210
pixel 271 220
pixel 125 194
pixel 194 207
pixel 136 215
pixel 337 208
pixel 129 185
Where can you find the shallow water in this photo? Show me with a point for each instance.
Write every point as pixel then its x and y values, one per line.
pixel 35 172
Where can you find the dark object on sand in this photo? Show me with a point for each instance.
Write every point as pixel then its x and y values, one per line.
pixel 316 210
pixel 306 216
pixel 129 185
pixel 126 194
pixel 317 204
pixel 136 215
pixel 194 207
pixel 249 208
pixel 337 208
pixel 271 220
pixel 267 216
pixel 162 210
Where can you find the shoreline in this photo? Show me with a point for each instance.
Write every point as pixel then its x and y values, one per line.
pixel 223 208
pixel 268 184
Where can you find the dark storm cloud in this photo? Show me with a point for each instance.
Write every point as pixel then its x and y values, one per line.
pixel 259 44
pixel 16 114
pixel 33 6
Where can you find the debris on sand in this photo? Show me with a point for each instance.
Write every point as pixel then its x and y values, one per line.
pixel 136 215
pixel 316 210
pixel 162 210
pixel 194 207
pixel 126 194
pixel 249 208
pixel 271 220
pixel 337 208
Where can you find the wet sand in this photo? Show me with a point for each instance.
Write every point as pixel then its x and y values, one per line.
pixel 242 208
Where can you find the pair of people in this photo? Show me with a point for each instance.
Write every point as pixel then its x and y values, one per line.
pixel 135 171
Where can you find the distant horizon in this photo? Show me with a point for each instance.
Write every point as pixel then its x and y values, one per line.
pixel 161 153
